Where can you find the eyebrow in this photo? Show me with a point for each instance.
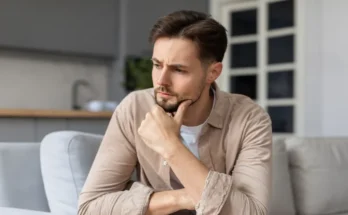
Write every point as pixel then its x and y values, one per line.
pixel 176 65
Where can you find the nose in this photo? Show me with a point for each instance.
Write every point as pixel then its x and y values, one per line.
pixel 164 79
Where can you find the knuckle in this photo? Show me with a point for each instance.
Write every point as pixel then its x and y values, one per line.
pixel 147 116
pixel 155 109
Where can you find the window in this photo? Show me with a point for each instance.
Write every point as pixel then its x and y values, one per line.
pixel 261 58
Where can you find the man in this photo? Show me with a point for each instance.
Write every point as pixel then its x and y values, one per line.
pixel 196 149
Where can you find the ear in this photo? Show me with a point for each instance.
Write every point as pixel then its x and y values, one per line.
pixel 214 72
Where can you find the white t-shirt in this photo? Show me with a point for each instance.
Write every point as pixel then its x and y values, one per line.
pixel 189 134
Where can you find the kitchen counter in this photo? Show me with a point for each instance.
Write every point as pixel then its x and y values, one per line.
pixel 37 113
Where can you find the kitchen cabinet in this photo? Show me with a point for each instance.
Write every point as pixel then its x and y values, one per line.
pixel 17 130
pixel 46 126
pixel 96 126
pixel 80 27
pixel 34 125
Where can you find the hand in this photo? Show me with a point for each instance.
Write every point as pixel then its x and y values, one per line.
pixel 161 131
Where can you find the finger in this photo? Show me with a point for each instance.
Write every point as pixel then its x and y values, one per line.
pixel 157 111
pixel 179 115
pixel 157 108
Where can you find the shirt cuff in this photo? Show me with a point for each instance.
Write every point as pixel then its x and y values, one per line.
pixel 139 201
pixel 216 190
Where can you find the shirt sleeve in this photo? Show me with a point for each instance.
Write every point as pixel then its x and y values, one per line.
pixel 105 191
pixel 247 189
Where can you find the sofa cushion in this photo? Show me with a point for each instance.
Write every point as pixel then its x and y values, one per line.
pixel 66 158
pixel 21 184
pixel 16 211
pixel 282 201
pixel 319 172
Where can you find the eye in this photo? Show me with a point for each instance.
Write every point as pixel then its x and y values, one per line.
pixel 157 66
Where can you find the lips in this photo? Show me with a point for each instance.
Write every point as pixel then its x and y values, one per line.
pixel 166 94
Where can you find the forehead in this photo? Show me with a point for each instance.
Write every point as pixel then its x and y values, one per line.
pixel 175 50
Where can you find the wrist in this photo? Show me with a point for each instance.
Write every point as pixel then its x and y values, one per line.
pixel 183 201
pixel 174 146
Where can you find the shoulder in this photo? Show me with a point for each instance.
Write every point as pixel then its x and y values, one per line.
pixel 241 104
pixel 247 123
pixel 137 100
pixel 243 110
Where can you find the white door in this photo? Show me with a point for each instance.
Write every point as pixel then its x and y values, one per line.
pixel 260 61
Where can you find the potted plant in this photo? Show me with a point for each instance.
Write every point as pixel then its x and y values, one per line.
pixel 138 73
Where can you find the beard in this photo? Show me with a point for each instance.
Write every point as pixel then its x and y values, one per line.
pixel 168 105
pixel 172 106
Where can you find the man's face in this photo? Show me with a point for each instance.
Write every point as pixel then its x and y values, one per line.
pixel 177 73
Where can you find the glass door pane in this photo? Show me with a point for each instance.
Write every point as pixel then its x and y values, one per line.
pixel 244 84
pixel 243 22
pixel 281 49
pixel 280 85
pixel 281 14
pixel 243 55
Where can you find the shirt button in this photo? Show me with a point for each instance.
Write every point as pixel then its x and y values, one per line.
pixel 165 163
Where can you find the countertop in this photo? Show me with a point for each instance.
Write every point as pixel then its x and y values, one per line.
pixel 37 113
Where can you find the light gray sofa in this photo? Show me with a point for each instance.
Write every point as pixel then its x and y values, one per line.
pixel 310 175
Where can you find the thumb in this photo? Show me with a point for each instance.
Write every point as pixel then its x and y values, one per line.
pixel 179 115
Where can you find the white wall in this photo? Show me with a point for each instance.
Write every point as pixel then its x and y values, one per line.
pixel 326 70
pixel 30 80
pixel 313 70
pixel 335 68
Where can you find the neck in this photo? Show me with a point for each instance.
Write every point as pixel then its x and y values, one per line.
pixel 200 110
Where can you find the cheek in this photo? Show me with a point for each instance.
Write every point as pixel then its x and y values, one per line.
pixel 155 75
pixel 186 88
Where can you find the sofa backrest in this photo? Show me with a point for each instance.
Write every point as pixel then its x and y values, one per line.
pixel 282 202
pixel 21 184
pixel 66 158
pixel 315 183
pixel 319 174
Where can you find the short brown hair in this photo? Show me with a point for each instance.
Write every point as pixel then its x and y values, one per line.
pixel 207 33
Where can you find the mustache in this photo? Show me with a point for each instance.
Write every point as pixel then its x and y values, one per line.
pixel 164 90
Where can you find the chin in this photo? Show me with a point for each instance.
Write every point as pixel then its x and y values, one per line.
pixel 169 108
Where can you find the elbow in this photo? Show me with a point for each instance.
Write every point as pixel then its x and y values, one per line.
pixel 257 207
pixel 84 206
pixel 246 205
pixel 82 209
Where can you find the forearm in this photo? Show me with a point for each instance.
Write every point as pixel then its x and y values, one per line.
pixel 167 202
pixel 135 201
pixel 190 171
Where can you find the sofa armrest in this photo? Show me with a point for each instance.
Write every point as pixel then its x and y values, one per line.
pixel 319 174
pixel 21 184
pixel 66 158
pixel 16 211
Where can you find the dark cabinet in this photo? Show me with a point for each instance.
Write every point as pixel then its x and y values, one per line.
pixel 80 27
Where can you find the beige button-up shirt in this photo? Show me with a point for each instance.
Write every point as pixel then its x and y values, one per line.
pixel 235 145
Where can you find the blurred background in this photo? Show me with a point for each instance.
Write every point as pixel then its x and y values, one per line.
pixel 66 65
pixel 61 60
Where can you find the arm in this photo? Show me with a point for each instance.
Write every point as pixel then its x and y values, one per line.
pixel 246 190
pixel 168 202
pixel 107 190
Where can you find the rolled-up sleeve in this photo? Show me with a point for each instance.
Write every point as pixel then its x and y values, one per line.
pixel 108 189
pixel 246 190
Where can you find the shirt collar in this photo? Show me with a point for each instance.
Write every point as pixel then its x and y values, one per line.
pixel 216 118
